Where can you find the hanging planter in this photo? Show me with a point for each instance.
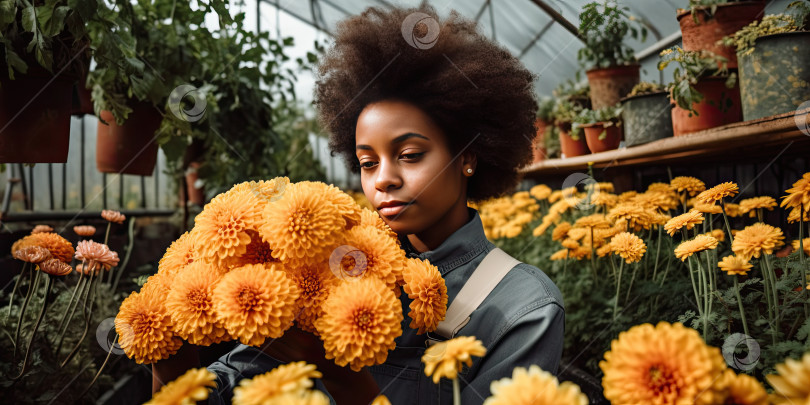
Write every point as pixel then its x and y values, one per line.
pixel 130 148
pixel 609 85
pixel 571 145
pixel 647 117
pixel 35 116
pixel 703 29
pixel 720 106
pixel 602 136
pixel 775 76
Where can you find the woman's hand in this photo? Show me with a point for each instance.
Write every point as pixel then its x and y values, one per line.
pixel 345 386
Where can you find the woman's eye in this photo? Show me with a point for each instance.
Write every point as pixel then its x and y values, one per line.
pixel 413 155
pixel 367 164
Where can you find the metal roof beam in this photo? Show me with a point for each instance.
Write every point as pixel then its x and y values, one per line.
pixel 299 18
pixel 558 17
pixel 536 38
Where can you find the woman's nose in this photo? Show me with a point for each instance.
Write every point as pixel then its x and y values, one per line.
pixel 388 177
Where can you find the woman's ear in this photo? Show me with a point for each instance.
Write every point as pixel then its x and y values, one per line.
pixel 468 163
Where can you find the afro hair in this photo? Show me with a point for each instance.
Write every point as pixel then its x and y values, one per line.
pixel 480 95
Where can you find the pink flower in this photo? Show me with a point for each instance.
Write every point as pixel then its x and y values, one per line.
pixel 96 254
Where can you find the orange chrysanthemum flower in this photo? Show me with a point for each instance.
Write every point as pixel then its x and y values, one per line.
pixel 757 239
pixel 84 230
pixel 688 185
pixel 740 389
pixel 291 378
pixel 629 246
pixel 733 210
pixel 191 305
pixel 627 196
pixel 734 265
pixel 255 302
pixel 798 195
pixel 664 201
pixel 145 328
pixel 665 364
pixel 41 229
pixel 264 190
pixel 750 205
pixel 425 286
pixel 592 221
pixel 55 267
pixel 692 246
pixel 383 257
pixel 32 254
pixel 360 322
pixel 191 387
pixel 59 247
pixel 179 254
pixel 707 208
pixel 580 253
pixel 372 218
pixel 555 196
pixel 569 243
pixel 633 215
pixel 222 227
pixel 605 199
pixel 805 242
pixel 256 252
pixel 794 216
pixel 540 191
pixel 717 193
pixel 302 225
pixel 381 400
pixel 344 203
pixel 315 283
pixel 717 234
pixel 93 254
pixel 445 359
pixel 687 220
pixel 113 216
pixel 561 254
pixel 790 383
pixel 534 387
pixel 560 232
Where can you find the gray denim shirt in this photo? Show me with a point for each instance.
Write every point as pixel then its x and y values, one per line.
pixel 521 323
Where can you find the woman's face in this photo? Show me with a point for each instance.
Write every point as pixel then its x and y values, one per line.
pixel 407 169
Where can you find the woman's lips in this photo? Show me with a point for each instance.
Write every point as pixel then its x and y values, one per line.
pixel 393 209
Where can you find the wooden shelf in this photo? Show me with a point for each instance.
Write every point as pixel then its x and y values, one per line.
pixel 735 140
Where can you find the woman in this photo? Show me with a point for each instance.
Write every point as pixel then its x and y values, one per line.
pixel 430 120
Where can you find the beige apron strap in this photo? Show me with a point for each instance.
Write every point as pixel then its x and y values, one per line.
pixel 483 280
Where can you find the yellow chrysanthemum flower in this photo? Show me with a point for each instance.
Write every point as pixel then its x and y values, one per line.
pixel 383 257
pixel 687 220
pixel 687 185
pixel 627 196
pixel 561 254
pixel 221 228
pixel 662 364
pixel 806 243
pixel 569 243
pixel 265 190
pixel 534 387
pixel 381 400
pixel 191 305
pixel 560 232
pixel 580 253
pixel 741 389
pixel 302 225
pixel 664 201
pixel 592 221
pixel 692 246
pixel 605 199
pixel 757 239
pixel 733 210
pixel 59 247
pixel 145 328
pixel 718 193
pixel 291 378
pixel 257 251
pixel 372 218
pixel 790 384
pixel 344 203
pixel 717 234
pixel 660 187
pixel 707 208
pixel 255 302
pixel 604 250
pixel 555 196
pixel 445 359
pixel 577 233
pixel 629 246
pixel 180 254
pixel 540 191
pixel 798 195
pixel 734 265
pixel 360 322
pixel 315 283
pixel 425 286
pixel 193 386
pixel 794 216
pixel 750 205
pixel 633 215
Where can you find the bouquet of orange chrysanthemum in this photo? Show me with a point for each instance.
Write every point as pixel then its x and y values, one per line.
pixel 266 255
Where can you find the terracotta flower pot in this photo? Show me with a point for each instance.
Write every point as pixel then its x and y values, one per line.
pixel 609 85
pixel 612 139
pixel 538 148
pixel 571 147
pixel 35 116
pixel 130 148
pixel 82 101
pixel 727 20
pixel 709 114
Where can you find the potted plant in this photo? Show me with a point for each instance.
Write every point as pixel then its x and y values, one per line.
pixel 544 122
pixel 570 99
pixel 602 127
pixel 43 48
pixel 705 95
pixel 706 22
pixel 613 67
pixel 774 55
pixel 646 114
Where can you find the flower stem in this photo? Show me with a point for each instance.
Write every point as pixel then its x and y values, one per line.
pixel 801 260
pixel 81 287
pixel 618 288
pixel 632 278
pixel 705 294
pixel 774 290
pixel 67 309
pixel 87 316
pixel 17 285
pixel 657 250
pixel 100 369
pixel 31 288
pixel 740 305
pixel 728 227
pixel 48 284
pixel 456 392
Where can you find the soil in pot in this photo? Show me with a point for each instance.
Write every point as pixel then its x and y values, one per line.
pixel 775 77
pixel 720 106
pixel 35 116
pixel 611 139
pixel 646 118
pixel 572 147
pixel 609 85
pixel 130 148
pixel 727 19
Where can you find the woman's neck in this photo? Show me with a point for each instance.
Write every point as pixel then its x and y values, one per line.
pixel 431 238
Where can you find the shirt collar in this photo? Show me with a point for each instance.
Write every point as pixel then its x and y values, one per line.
pixel 460 247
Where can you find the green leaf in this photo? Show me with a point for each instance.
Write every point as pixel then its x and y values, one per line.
pixel 51 19
pixel 7 13
pixel 29 19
